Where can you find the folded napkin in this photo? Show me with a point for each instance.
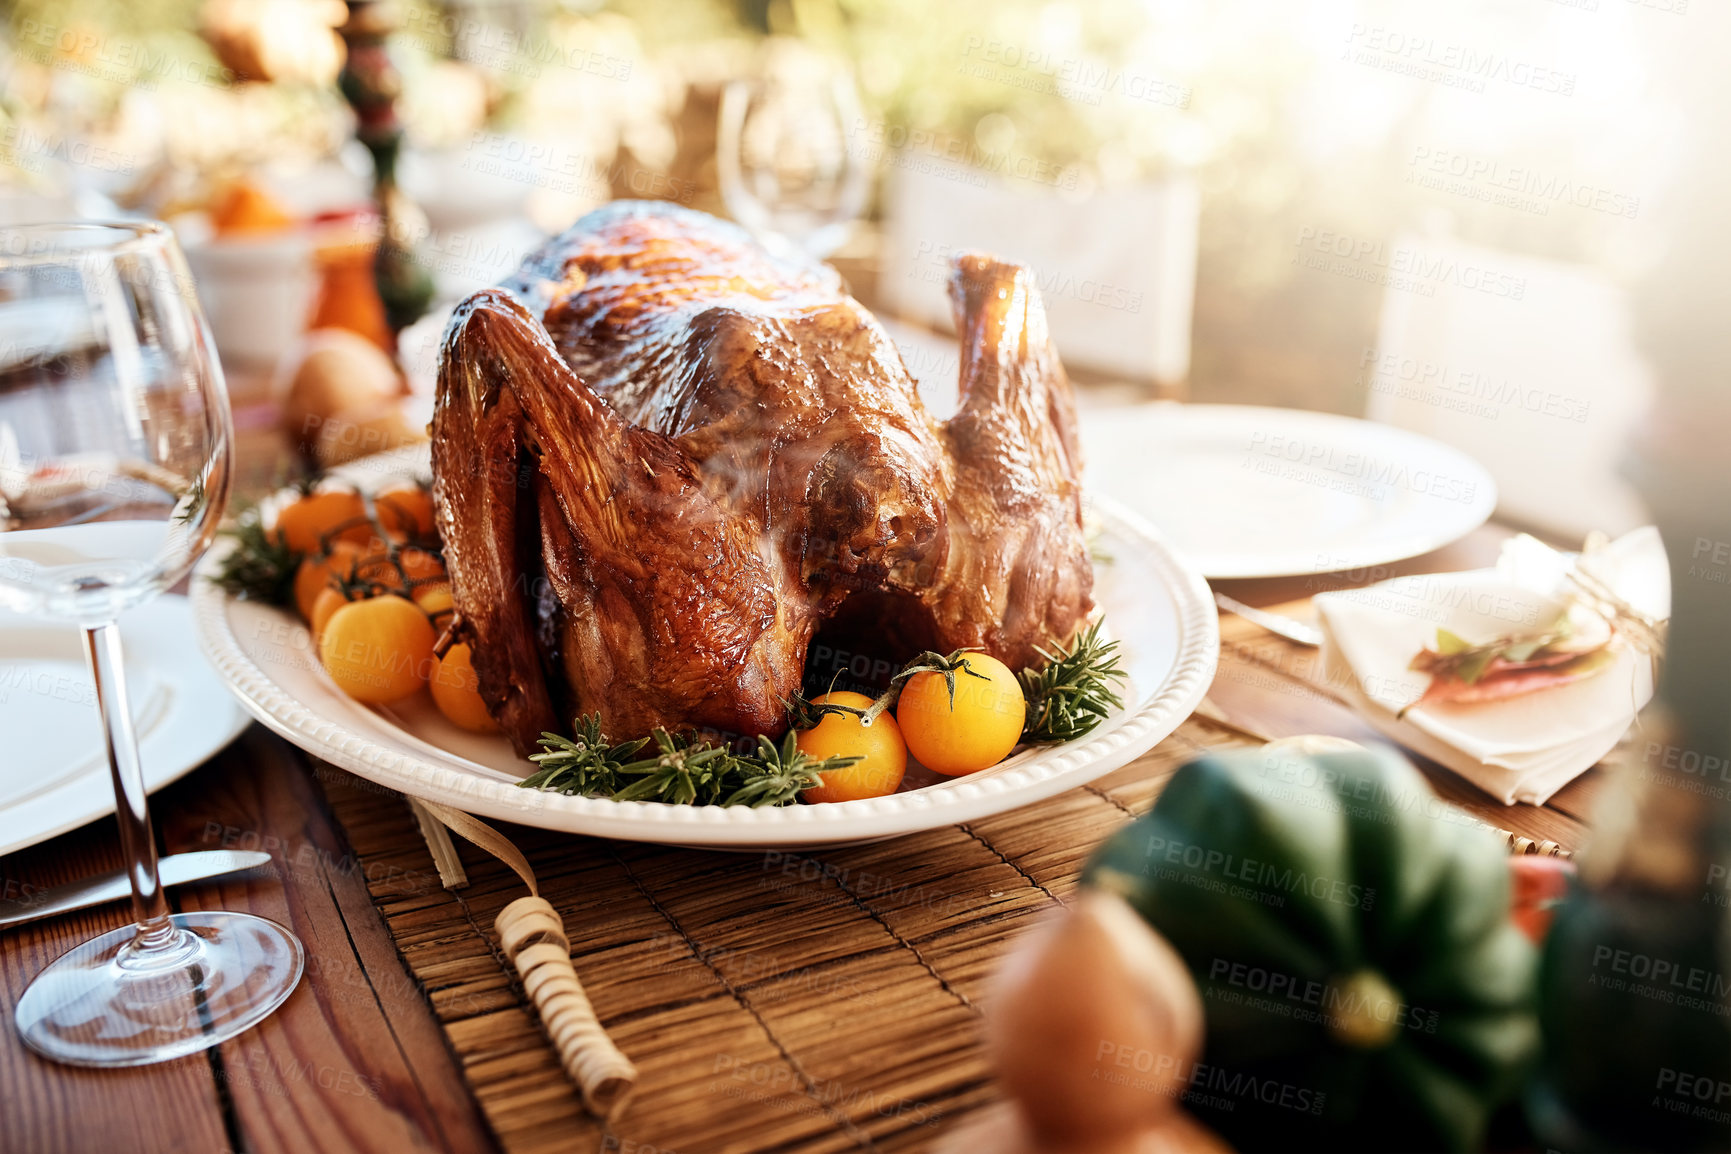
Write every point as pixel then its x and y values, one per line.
pixel 1522 748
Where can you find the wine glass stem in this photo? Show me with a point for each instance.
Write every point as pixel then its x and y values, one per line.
pixel 149 904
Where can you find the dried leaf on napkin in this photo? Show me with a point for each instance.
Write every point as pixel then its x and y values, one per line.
pixel 1576 645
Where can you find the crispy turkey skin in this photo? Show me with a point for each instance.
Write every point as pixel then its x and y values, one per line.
pixel 663 457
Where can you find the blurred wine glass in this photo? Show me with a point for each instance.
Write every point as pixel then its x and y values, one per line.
pixel 789 154
pixel 115 455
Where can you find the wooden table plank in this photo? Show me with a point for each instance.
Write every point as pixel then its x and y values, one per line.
pixel 46 1108
pixel 353 1061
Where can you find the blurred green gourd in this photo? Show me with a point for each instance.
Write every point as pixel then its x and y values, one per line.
pixel 1363 986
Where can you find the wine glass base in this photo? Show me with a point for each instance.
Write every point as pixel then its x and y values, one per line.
pixel 104 1003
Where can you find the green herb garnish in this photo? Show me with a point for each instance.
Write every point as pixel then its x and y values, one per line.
pixel 681 769
pixel 1072 693
pixel 586 764
pixel 261 566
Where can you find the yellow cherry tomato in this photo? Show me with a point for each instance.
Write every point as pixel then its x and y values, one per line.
pixel 406 512
pixel 379 650
pixel 435 601
pixel 337 514
pixel 842 735
pixel 457 692
pixel 325 606
pixel 977 731
pixel 420 567
pixel 316 573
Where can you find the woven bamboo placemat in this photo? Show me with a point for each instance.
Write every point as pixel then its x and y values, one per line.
pixel 772 1001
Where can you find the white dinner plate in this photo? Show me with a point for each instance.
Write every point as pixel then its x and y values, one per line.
pixel 53 776
pixel 1155 606
pixel 1246 491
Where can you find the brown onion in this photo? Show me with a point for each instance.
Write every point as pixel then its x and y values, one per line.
pixel 1095 1028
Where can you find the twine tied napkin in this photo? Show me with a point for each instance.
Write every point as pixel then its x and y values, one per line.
pixel 1521 748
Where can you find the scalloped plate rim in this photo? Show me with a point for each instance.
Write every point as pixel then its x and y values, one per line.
pixel 1043 774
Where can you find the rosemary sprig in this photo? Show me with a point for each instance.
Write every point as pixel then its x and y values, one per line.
pixel 261 566
pixel 1072 693
pixel 587 763
pixel 680 769
pixel 778 774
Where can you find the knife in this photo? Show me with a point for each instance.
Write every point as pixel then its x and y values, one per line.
pixel 1276 623
pixel 109 887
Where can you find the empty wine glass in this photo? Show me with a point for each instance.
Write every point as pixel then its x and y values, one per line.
pixel 789 154
pixel 115 455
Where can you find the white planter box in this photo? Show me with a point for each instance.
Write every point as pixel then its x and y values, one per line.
pixel 1116 268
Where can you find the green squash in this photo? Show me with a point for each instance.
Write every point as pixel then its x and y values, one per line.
pixel 1349 932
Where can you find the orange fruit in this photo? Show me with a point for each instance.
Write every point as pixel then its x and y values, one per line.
pixel 418 565
pixel 329 600
pixel 974 732
pixel 316 574
pixel 336 514
pixel 379 650
pixel 457 692
pixel 406 512
pixel 880 745
pixel 435 601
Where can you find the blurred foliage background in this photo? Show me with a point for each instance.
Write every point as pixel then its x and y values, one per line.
pixel 1261 100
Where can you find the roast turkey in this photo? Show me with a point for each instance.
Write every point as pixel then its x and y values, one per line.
pixel 664 457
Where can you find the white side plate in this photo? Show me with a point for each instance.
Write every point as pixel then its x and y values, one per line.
pixel 52 773
pixel 1246 491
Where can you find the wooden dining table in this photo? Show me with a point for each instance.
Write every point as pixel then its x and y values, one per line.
pixel 821 1001
pixel 802 1001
